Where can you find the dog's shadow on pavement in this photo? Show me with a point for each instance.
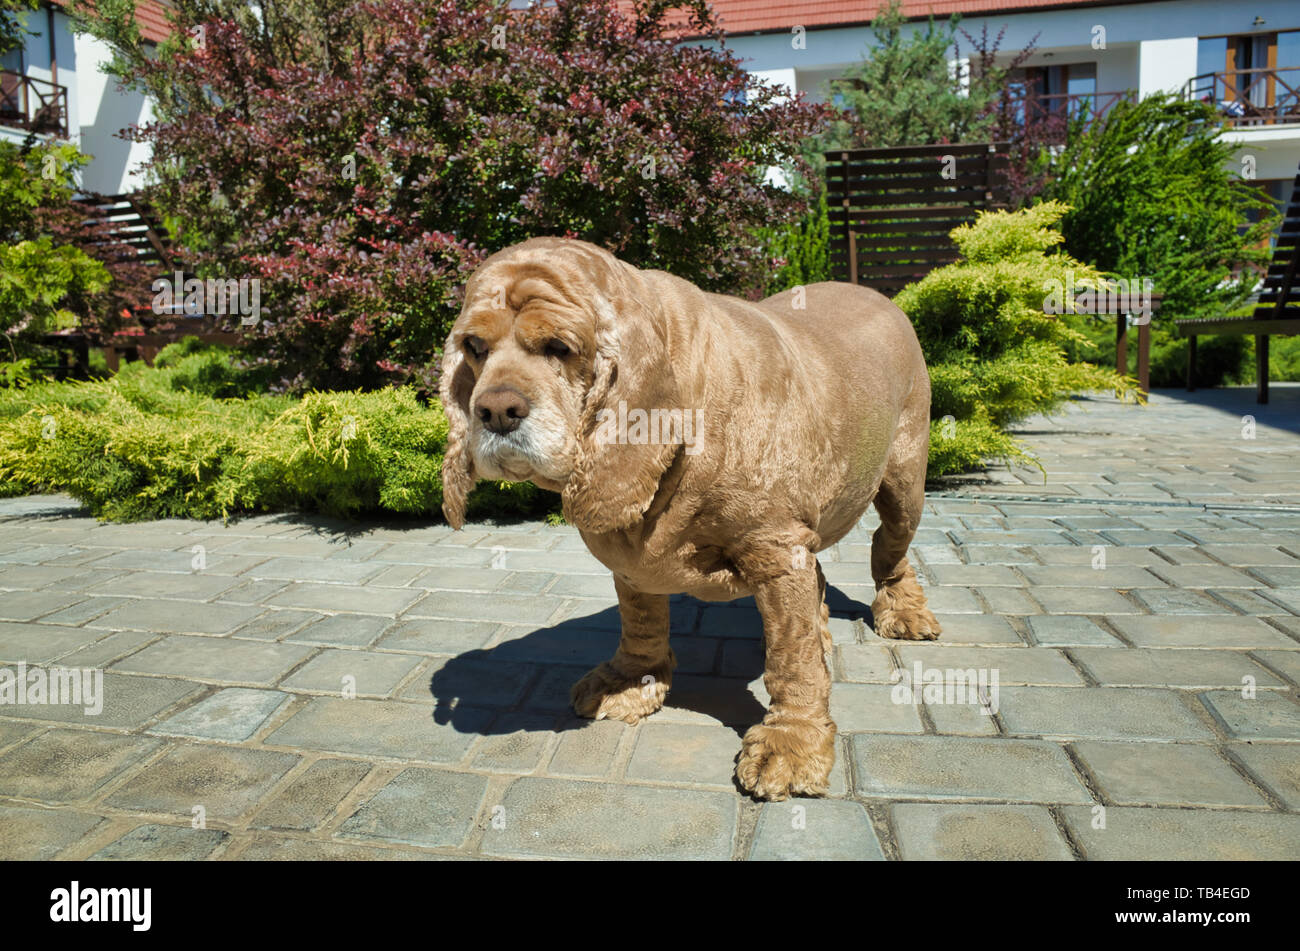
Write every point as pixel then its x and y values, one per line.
pixel 523 684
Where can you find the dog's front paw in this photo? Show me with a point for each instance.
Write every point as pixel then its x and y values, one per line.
pixel 900 612
pixel 787 757
pixel 605 694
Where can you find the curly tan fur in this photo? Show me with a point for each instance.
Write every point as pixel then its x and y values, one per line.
pixel 806 408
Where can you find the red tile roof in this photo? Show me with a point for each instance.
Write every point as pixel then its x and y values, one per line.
pixel 752 16
pixel 150 16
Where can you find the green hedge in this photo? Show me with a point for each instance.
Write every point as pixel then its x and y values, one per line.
pixel 193 437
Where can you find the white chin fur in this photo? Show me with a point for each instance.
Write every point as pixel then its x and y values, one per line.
pixel 537 448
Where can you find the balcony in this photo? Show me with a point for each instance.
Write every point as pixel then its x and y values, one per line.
pixel 1251 97
pixel 1046 117
pixel 33 104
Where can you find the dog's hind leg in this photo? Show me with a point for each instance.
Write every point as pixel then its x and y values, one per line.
pixel 900 610
pixel 632 684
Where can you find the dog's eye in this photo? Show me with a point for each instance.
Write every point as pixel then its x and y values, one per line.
pixel 557 348
pixel 476 347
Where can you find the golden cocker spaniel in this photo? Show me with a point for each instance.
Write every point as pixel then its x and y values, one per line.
pixel 702 444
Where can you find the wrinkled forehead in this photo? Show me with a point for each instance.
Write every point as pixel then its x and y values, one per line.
pixel 561 286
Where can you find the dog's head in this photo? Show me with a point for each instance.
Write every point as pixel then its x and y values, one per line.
pixel 551 332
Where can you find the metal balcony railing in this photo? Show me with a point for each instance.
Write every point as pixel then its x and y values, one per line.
pixel 33 104
pixel 1251 97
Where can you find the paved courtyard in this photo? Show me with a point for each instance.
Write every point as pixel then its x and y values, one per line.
pixel 294 687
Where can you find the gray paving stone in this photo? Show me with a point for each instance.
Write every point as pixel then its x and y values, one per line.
pixel 584 586
pixel 509 608
pixel 684 753
pixel 815 831
pixel 425 807
pixel 436 636
pixel 955 768
pixel 744 658
pixel 40 834
pixel 1200 631
pixel 41 643
pixel 529 582
pixel 563 818
pixel 228 716
pixel 69 765
pixel 396 576
pixel 12 732
pixel 351 630
pixel 174 617
pixel 85 610
pixel 1067 630
pixel 515 743
pixel 29 605
pixel 315 569
pixel 861 663
pixel 946 599
pixel 1112 576
pixel 1289 598
pixel 587 747
pixel 382 728
pixel 193 586
pixel 872 708
pixel 1108 713
pixel 251 592
pixel 561 644
pixel 476 681
pixel 940 832
pixel 1085 556
pixel 972 629
pixel 274 625
pixel 226 781
pixel 312 798
pixel 216 659
pixel 1207 576
pixel 1178 774
pixel 372 674
pixel 1137 834
pixel 460 578
pixel 975 575
pixel 1276 766
pixel 1288 662
pixel 962 719
pixel 1015 665
pixel 1268 715
pixel 346 598
pixel 1015 601
pixel 273 848
pixel 129 703
pixel 1171 667
pixel 1083 601
pixel 551 692
pixel 1248 555
pixel 1178 601
pixel 159 843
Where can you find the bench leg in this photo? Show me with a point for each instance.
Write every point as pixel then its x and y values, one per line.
pixel 1191 363
pixel 1261 368
pixel 1121 345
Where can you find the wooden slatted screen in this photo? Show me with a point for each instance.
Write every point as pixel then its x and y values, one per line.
pixel 895 207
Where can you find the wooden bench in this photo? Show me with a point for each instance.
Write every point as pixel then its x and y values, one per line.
pixel 1278 310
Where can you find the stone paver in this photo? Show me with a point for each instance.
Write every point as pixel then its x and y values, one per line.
pixel 935 832
pixel 328 690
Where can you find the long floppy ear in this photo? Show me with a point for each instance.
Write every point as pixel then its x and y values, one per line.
pixel 615 480
pixel 458 476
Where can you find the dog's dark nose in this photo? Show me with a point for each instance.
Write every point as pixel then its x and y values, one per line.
pixel 502 409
